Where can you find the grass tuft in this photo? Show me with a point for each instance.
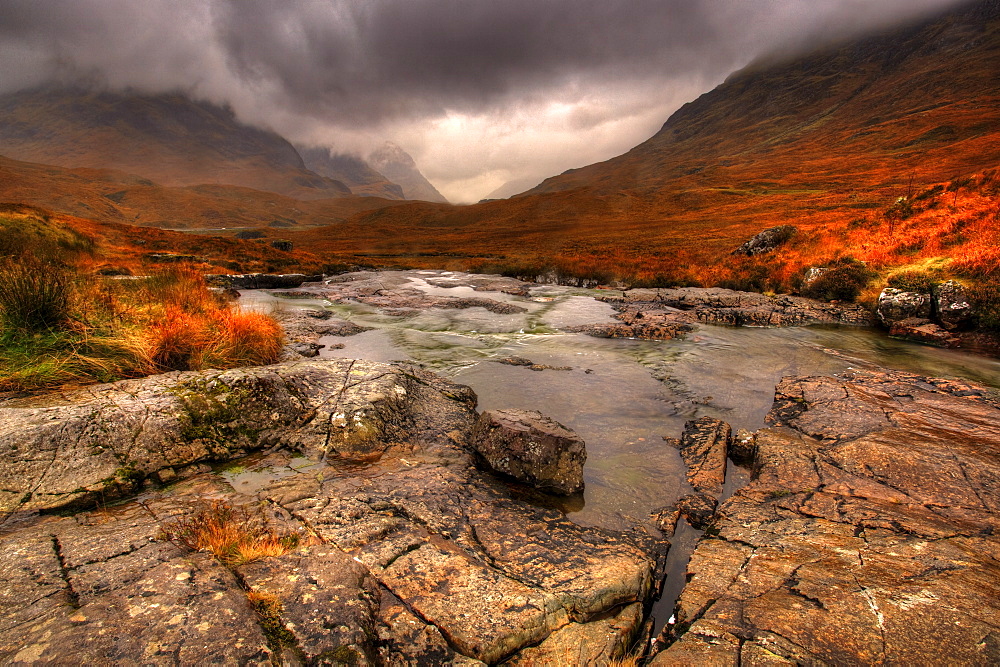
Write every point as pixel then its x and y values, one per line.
pixel 234 535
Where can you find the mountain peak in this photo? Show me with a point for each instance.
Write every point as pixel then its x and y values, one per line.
pixel 399 167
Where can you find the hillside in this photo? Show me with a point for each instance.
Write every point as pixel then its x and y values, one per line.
pixel 167 138
pixel 827 142
pixel 399 167
pixel 115 196
pixel 351 170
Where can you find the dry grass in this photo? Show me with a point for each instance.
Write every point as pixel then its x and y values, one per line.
pixel 234 535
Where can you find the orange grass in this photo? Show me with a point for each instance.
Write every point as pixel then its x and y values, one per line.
pixel 234 535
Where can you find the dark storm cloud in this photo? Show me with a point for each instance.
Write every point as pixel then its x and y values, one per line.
pixel 381 59
pixel 377 60
pixel 478 90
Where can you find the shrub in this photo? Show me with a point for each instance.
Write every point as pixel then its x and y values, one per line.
pixel 985 297
pixel 34 296
pixel 842 281
pixel 914 281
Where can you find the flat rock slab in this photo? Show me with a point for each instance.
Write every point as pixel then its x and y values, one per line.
pixel 99 443
pixel 531 448
pixel 868 536
pixel 327 600
pixel 722 306
pixel 415 557
pixel 599 642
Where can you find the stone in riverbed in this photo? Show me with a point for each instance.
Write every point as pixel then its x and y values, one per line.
pixel 531 448
pixel 868 535
pixel 704 445
pixel 923 331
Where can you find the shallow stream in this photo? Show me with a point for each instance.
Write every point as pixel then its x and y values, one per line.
pixel 621 396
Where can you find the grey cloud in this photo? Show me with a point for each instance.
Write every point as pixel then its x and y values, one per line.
pixel 391 68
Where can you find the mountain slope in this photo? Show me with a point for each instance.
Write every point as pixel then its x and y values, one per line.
pixel 167 138
pixel 397 165
pixel 115 196
pixel 350 170
pixel 827 142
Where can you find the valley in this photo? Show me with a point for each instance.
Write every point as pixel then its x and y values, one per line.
pixel 730 397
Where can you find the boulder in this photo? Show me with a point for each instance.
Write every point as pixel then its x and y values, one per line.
pixel 952 307
pixel 531 448
pixel 644 323
pixel 896 304
pixel 923 331
pixel 766 241
pixel 261 280
pixel 867 536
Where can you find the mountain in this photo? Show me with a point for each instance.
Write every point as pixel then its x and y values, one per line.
pixel 511 188
pixel 116 196
pixel 828 141
pixel 168 138
pixel 397 165
pixel 919 101
pixel 350 170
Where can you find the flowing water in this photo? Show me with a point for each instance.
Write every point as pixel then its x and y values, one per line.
pixel 621 396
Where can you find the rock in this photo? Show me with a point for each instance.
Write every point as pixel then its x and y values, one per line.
pixel 421 554
pixel 528 363
pixel 599 642
pixel 306 350
pixel 666 518
pixel 89 445
pixel 531 448
pixel 896 304
pixel 867 535
pixel 643 323
pixel 327 600
pixel 952 308
pixel 261 280
pixel 743 448
pixel 722 306
pixel 697 508
pixel 704 445
pixel 813 273
pixel 283 245
pixel 923 331
pixel 766 241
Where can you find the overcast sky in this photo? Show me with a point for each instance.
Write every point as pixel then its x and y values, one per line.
pixel 479 92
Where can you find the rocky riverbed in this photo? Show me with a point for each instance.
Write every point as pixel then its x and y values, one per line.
pixel 872 498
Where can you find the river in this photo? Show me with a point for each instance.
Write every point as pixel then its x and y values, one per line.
pixel 621 396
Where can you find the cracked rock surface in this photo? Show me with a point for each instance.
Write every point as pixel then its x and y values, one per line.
pixel 716 305
pixel 408 554
pixel 867 536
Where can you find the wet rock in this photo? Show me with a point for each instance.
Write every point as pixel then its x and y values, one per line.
pixel 306 350
pixel 666 518
pixel 697 508
pixel 261 280
pixel 766 241
pixel 598 642
pixel 101 442
pixel 643 323
pixel 743 448
pixel 923 331
pixel 722 306
pixel 866 536
pixel 704 445
pixel 531 448
pixel 528 363
pixel 325 599
pixel 896 304
pixel 952 307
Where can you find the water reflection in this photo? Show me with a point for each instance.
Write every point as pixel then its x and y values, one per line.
pixel 621 396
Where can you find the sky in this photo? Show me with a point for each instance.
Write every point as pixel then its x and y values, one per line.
pixel 479 92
